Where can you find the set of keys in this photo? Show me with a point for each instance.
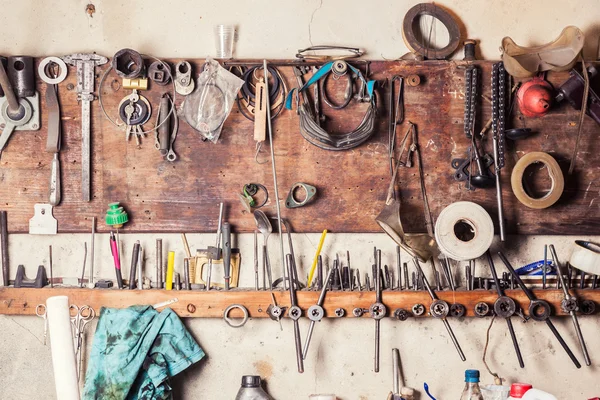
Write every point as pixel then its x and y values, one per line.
pixel 135 110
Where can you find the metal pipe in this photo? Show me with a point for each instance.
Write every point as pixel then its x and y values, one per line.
pixel 396 369
pixel 11 97
pixel 255 260
pixel 276 187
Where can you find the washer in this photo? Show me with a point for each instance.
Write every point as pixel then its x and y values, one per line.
pixel 231 322
pixel 44 76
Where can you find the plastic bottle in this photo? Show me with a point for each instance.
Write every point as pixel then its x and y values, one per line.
pixel 537 394
pixel 251 389
pixel 471 391
pixel 517 390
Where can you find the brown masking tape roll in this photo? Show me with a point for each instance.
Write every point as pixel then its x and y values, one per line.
pixel 558 180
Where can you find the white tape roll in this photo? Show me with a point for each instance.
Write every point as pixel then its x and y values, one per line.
pixel 586 257
pixel 464 231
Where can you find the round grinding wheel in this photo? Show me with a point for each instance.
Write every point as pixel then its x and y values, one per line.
pixel 586 257
pixel 464 231
pixel 556 175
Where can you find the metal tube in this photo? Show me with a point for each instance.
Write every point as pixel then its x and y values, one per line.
pixel 134 260
pixel 396 369
pixel 499 201
pixel 4 245
pixel 398 268
pixel 275 186
pixel 140 267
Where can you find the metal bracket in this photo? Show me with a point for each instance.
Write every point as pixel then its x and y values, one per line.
pixel 34 121
pixel 310 191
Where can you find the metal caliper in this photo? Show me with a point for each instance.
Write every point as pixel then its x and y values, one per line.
pixel 86 65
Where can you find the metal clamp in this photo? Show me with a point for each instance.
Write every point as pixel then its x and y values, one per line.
pixel 184 84
pixel 231 322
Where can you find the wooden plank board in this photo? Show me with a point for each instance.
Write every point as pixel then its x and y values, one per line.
pixel 212 304
pixel 184 196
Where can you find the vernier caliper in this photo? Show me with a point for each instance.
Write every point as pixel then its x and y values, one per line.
pixel 86 64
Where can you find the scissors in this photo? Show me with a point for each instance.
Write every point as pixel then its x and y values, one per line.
pixel 80 317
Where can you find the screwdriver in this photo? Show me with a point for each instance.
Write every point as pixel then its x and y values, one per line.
pixel 115 253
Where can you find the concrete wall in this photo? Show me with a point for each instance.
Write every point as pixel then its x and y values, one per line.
pixel 341 355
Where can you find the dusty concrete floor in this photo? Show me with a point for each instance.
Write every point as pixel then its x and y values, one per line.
pixel 340 359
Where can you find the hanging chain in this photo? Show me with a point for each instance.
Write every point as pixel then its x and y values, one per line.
pixel 499 109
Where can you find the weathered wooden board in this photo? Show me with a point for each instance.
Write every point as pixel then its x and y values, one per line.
pixel 212 304
pixel 184 196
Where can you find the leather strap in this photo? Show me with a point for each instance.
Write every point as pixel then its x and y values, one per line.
pixel 54 128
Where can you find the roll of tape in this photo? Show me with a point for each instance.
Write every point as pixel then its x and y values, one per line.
pixel 586 257
pixel 558 180
pixel 464 231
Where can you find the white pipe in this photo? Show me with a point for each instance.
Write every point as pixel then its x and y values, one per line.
pixel 61 343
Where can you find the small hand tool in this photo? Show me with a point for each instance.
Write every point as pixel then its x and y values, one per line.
pixel 316 313
pixel 377 312
pixel 86 64
pixel 226 253
pixel 569 304
pixel 295 312
pixel 134 262
pixel 160 274
pixel 439 309
pixel 218 241
pixel 539 310
pixel 4 245
pixel 170 270
pixel 505 307
pixel 314 264
pixel 93 239
pixel 115 253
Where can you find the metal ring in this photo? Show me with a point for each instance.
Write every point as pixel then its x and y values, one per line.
pixel 44 76
pixel 230 321
pixel 539 310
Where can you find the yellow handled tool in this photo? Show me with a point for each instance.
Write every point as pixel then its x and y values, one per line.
pixel 314 264
pixel 170 267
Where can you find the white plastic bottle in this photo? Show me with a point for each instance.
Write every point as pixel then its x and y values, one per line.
pixel 537 394
pixel 518 390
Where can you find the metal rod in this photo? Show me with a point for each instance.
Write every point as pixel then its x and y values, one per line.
pixel 499 201
pixel 159 264
pixel 92 240
pixel 544 267
pixel 84 261
pixel 134 261
pixel 398 268
pixel 276 187
pixel 255 259
pixel 4 244
pixel 294 304
pixel 49 262
pixel 186 273
pixel 140 267
pixel 217 242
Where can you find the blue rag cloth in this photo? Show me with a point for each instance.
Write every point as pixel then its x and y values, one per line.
pixel 135 352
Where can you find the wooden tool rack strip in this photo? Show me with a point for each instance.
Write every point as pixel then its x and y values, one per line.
pixel 352 185
pixel 212 304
